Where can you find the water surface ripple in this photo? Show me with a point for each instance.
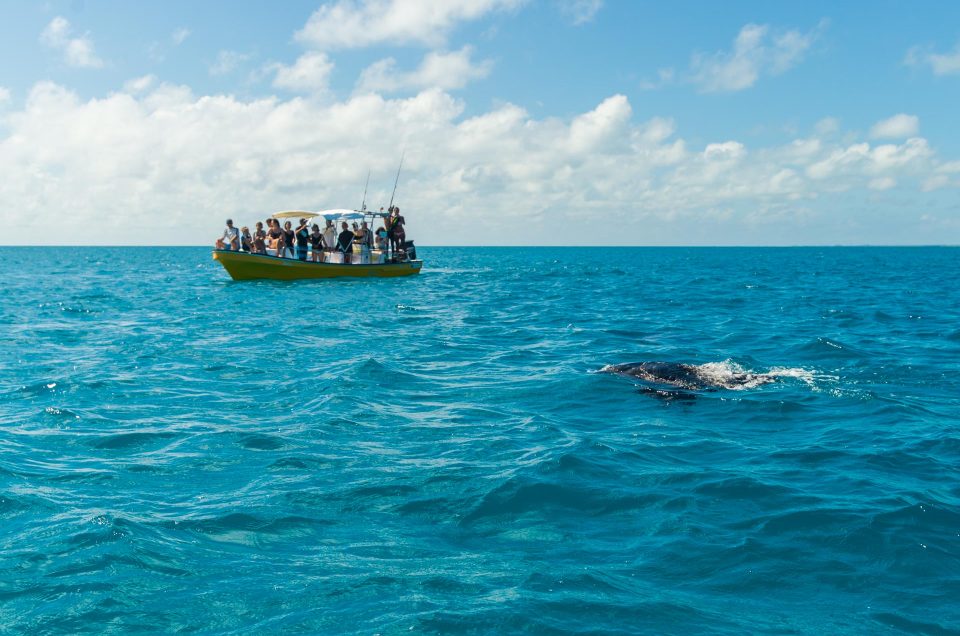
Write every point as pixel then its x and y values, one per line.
pixel 185 453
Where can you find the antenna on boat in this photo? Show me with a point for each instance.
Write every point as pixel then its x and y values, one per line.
pixel 363 205
pixel 397 180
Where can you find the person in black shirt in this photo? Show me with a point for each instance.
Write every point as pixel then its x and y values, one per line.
pixel 395 231
pixel 303 239
pixel 316 242
pixel 345 242
pixel 276 236
pixel 288 239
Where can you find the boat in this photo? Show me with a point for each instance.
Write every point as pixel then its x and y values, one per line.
pixel 365 263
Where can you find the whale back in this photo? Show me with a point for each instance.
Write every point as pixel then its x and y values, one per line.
pixel 690 377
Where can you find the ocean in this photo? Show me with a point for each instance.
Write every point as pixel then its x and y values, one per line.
pixel 441 455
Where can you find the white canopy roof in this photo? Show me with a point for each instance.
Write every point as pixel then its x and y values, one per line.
pixel 341 214
pixel 293 214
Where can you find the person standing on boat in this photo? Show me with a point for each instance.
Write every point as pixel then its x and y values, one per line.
pixel 231 238
pixel 288 239
pixel 345 242
pixel 330 237
pixel 276 237
pixel 316 241
pixel 395 231
pixel 360 239
pixel 303 239
pixel 381 238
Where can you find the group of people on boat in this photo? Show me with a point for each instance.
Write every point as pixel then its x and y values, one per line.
pixel 308 242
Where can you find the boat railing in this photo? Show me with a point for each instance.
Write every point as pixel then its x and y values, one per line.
pixel 359 255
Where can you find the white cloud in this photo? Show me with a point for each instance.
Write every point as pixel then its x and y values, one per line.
pixel 899 126
pixel 913 156
pixel 4 95
pixel 179 35
pixel 77 51
pixel 580 11
pixel 186 161
pixel 939 63
pixel 310 74
pixel 140 84
pixel 598 128
pixel 227 62
pixel 354 23
pixel 757 50
pixel 437 70
pixel 726 151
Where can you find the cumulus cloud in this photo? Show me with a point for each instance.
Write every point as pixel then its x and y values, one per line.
pixel 227 62
pixel 600 127
pixel 4 95
pixel 939 63
pixel 860 159
pixel 757 50
pixel 445 70
pixel 77 51
pixel 186 161
pixel 580 11
pixel 348 24
pixel 310 74
pixel 899 126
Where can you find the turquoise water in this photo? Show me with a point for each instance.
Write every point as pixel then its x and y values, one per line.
pixel 438 454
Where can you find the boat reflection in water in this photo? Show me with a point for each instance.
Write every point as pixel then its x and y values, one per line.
pixel 363 260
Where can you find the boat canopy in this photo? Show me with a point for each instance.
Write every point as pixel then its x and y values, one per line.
pixel 350 215
pixel 330 215
pixel 295 214
pixel 341 215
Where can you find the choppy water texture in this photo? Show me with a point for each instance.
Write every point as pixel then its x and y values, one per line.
pixel 181 452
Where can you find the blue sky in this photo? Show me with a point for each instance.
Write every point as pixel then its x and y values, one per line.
pixel 524 122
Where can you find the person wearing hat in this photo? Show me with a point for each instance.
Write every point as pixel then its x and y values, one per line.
pixel 303 239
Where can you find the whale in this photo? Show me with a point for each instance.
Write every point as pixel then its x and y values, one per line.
pixel 678 378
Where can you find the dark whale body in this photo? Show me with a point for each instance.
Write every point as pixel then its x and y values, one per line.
pixel 677 379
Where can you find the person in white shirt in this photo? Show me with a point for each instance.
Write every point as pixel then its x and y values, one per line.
pixel 329 237
pixel 231 238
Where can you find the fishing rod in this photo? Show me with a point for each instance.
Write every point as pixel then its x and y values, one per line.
pixel 363 205
pixel 396 181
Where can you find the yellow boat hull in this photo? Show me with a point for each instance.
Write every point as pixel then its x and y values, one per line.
pixel 245 266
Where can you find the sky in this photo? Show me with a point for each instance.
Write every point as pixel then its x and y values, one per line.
pixel 520 122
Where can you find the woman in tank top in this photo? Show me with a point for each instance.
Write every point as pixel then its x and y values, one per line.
pixel 276 237
pixel 288 239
